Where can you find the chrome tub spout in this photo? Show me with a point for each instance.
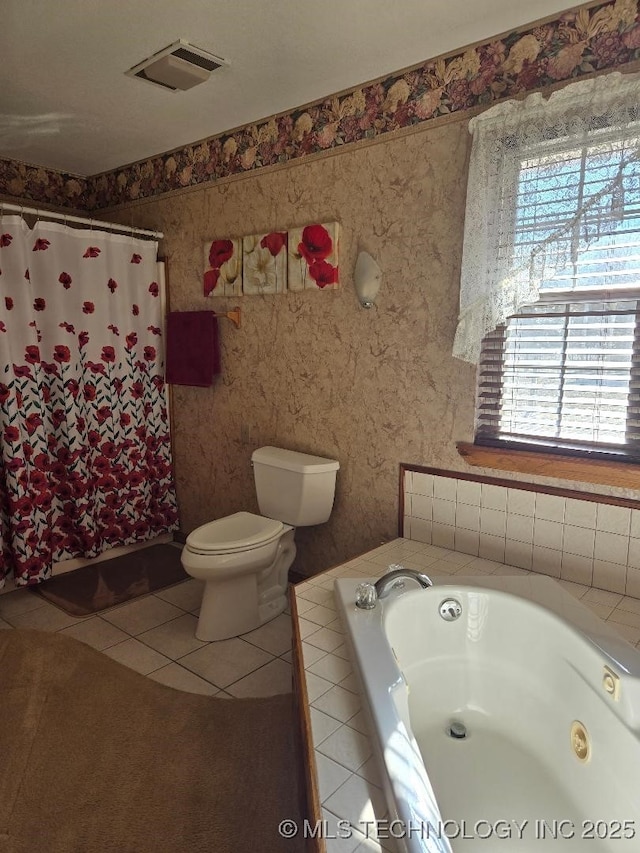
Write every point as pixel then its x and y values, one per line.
pixel 367 594
pixel 395 577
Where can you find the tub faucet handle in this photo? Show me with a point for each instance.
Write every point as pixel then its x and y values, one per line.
pixel 366 596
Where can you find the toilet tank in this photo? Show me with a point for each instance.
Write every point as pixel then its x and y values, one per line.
pixel 293 487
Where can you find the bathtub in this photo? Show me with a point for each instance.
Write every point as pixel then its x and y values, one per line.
pixel 513 727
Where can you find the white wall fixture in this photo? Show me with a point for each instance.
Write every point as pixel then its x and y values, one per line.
pixel 367 278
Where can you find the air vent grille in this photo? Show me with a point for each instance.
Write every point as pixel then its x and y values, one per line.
pixel 196 59
pixel 177 67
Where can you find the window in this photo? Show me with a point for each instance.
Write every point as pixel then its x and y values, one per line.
pixel 560 369
pixel 562 372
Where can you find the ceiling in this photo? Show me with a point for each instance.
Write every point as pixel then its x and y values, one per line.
pixel 66 104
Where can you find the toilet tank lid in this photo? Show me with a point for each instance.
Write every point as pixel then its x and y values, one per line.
pixel 291 460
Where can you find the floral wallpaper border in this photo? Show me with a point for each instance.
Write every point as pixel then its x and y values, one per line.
pixel 579 42
pixel 44 186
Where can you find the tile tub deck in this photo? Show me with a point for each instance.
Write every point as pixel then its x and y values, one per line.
pixel 343 773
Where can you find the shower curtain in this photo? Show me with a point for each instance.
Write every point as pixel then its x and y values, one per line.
pixel 85 460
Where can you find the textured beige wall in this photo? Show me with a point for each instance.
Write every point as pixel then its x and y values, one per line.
pixel 314 371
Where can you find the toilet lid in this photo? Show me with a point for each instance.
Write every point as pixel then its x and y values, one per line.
pixel 238 532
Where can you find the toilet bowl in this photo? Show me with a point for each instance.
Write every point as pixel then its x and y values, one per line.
pixel 244 558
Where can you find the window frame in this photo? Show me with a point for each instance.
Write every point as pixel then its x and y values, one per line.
pixel 589 451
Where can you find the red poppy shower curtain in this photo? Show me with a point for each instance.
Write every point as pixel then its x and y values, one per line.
pixel 85 460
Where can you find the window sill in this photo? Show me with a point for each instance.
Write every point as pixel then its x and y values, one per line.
pixel 624 475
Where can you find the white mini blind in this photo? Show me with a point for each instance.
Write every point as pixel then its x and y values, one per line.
pixel 569 379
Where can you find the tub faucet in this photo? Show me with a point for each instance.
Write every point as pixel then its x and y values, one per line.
pixel 396 575
pixel 367 594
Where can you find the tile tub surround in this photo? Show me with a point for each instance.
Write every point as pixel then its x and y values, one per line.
pixel 348 780
pixel 589 539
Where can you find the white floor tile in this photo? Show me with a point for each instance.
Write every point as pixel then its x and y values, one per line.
pixel 578 590
pixel 625 617
pixel 273 637
pixel 601 596
pixel 318 596
pixel 316 686
pixel 352 683
pixel 19 601
pixel 322 725
pixel 325 583
pixel 337 837
pixel 176 676
pixel 332 668
pixel 631 604
pixel 370 770
pixel 342 652
pixel 630 633
pixel 369 845
pixel 357 801
pixel 175 638
pixel 325 639
pixel 137 656
pixel 337 625
pixel 320 614
pixel 44 618
pixel 225 661
pixel 330 775
pixel 302 605
pixel 311 654
pixel 186 595
pixel 348 747
pixel 142 614
pixel 305 628
pixel 272 678
pixel 601 610
pixel 338 703
pixel 360 722
pixel 96 632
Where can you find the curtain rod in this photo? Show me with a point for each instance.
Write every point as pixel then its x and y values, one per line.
pixel 19 208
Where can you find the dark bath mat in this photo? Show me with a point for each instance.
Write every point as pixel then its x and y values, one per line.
pixel 94 588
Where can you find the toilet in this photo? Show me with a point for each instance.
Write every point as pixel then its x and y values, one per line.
pixel 244 558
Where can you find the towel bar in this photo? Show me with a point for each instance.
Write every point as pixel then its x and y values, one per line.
pixel 234 315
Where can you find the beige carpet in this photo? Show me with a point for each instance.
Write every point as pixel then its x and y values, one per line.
pixel 95 758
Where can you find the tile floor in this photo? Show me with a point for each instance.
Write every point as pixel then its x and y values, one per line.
pixel 155 635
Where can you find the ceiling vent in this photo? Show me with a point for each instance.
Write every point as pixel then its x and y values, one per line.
pixel 178 67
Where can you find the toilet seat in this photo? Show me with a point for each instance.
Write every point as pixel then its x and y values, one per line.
pixel 242 531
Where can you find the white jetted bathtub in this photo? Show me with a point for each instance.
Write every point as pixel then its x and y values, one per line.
pixel 513 727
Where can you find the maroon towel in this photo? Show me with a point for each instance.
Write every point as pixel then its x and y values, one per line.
pixel 193 353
